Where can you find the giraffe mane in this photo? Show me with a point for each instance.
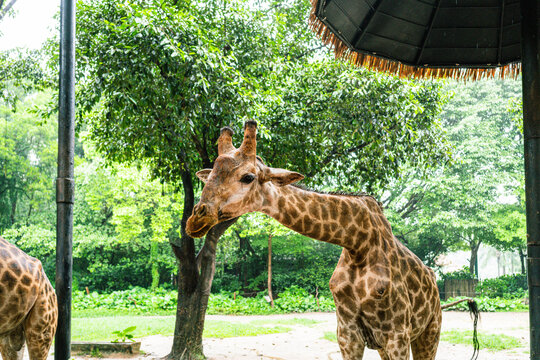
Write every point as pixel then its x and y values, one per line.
pixel 340 193
pixel 337 193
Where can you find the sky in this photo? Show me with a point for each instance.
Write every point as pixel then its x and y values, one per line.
pixel 32 23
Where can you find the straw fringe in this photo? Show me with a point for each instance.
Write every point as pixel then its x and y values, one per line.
pixel 373 62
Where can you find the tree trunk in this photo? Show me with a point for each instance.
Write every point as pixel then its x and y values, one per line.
pixel 154 264
pixel 195 275
pixel 245 250
pixel 522 260
pixel 473 261
pixel 13 211
pixel 5 10
pixel 270 270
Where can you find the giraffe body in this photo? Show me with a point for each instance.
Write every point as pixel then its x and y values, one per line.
pixel 28 307
pixel 386 298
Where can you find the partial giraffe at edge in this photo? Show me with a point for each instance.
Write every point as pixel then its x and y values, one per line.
pixel 386 298
pixel 28 306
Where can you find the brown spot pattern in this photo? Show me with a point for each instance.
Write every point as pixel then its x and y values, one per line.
pixel 28 306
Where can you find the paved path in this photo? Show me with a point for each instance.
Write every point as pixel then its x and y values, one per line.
pixel 307 343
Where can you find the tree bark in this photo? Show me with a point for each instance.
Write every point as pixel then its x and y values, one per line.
pixel 5 10
pixel 474 256
pixel 154 269
pixel 270 270
pixel 13 207
pixel 522 260
pixel 245 250
pixel 195 275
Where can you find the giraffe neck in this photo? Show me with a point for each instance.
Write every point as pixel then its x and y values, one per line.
pixel 347 221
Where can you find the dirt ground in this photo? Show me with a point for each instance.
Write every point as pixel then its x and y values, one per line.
pixel 307 343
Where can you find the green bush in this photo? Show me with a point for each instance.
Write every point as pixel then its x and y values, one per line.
pixel 507 286
pixel 463 273
pixel 486 304
pixel 139 300
pixel 101 261
pixel 292 300
pixel 296 299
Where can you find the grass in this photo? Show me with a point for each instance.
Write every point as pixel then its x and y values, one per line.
pixel 97 313
pixel 101 328
pixel 291 322
pixel 330 335
pixel 492 342
pixel 224 329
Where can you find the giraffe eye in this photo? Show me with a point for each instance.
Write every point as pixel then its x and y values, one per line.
pixel 247 178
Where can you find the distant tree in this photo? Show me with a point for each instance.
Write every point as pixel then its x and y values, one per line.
pixel 5 6
pixel 27 165
pixel 140 209
pixel 20 74
pixel 510 231
pixel 510 228
pixel 456 205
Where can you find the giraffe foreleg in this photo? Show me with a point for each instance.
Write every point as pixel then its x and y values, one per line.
pixel 350 343
pixel 424 347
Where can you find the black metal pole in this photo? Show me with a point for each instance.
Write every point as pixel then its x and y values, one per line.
pixel 530 55
pixel 65 182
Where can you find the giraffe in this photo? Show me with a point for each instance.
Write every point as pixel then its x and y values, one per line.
pixel 385 297
pixel 28 308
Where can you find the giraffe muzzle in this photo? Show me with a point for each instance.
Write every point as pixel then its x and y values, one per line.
pixel 200 221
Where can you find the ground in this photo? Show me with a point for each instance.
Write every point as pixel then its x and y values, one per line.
pixel 308 343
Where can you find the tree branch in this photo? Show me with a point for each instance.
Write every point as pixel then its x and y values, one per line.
pixel 335 152
pixel 244 241
pixel 4 11
pixel 206 258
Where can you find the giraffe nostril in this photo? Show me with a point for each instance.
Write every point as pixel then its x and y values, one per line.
pixel 201 211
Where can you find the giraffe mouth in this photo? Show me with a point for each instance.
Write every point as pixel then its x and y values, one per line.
pixel 199 233
pixel 224 216
pixel 197 227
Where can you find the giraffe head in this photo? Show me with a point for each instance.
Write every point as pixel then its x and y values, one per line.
pixel 238 183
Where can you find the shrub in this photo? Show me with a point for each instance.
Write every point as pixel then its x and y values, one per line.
pixel 463 273
pixel 293 299
pixel 486 304
pixel 507 286
pixel 136 299
pixel 139 300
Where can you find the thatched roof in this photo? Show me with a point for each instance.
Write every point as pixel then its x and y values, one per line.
pixel 461 39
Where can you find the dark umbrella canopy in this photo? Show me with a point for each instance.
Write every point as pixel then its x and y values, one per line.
pixel 425 38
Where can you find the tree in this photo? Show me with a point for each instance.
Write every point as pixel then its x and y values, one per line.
pixel 358 128
pixel 5 6
pixel 27 164
pixel 455 206
pixel 140 209
pixel 511 232
pixel 157 80
pixel 20 74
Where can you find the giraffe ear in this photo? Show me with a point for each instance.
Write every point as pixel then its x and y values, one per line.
pixel 203 174
pixel 282 177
